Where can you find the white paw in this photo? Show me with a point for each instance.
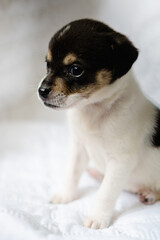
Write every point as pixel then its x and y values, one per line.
pixel 96 222
pixel 63 198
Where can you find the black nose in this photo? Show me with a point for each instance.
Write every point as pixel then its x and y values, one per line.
pixel 43 92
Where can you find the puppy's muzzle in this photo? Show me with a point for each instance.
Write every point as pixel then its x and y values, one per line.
pixel 50 98
pixel 44 92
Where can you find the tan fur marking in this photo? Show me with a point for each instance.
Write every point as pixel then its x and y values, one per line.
pixel 69 59
pixel 49 56
pixel 60 86
pixel 103 77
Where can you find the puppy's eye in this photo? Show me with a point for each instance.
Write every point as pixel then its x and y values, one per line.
pixel 76 71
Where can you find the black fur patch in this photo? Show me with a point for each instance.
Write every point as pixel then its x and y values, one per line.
pixel 97 47
pixel 156 136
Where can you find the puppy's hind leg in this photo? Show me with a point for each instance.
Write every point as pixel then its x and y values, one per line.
pixel 148 196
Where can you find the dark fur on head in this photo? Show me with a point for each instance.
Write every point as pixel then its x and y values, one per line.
pixel 103 54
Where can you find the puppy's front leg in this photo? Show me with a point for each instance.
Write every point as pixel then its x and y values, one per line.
pixel 114 180
pixel 77 163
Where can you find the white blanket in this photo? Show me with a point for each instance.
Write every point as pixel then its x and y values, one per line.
pixel 32 162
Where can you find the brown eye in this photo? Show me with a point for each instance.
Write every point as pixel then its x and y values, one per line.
pixel 76 71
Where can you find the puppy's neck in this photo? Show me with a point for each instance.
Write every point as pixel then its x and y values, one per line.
pixel 113 95
pixel 110 102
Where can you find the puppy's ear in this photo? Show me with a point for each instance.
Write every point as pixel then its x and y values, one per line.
pixel 124 54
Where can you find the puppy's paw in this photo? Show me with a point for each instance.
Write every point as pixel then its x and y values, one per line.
pixel 96 222
pixel 146 196
pixel 63 198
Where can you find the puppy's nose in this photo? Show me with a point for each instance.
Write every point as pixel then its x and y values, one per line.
pixel 43 92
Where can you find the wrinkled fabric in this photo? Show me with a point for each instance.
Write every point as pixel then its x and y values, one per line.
pixel 32 163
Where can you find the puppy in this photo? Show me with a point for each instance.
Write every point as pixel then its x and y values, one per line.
pixel 112 123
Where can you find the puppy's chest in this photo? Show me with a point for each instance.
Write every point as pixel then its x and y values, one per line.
pixel 96 130
pixel 95 147
pixel 99 135
pixel 97 141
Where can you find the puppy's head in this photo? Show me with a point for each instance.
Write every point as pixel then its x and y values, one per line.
pixel 84 57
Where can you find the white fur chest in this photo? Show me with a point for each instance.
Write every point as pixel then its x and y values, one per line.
pixel 96 135
pixel 96 149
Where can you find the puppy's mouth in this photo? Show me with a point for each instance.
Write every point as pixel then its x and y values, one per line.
pixel 61 102
pixel 51 105
pixel 62 105
pixel 55 101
